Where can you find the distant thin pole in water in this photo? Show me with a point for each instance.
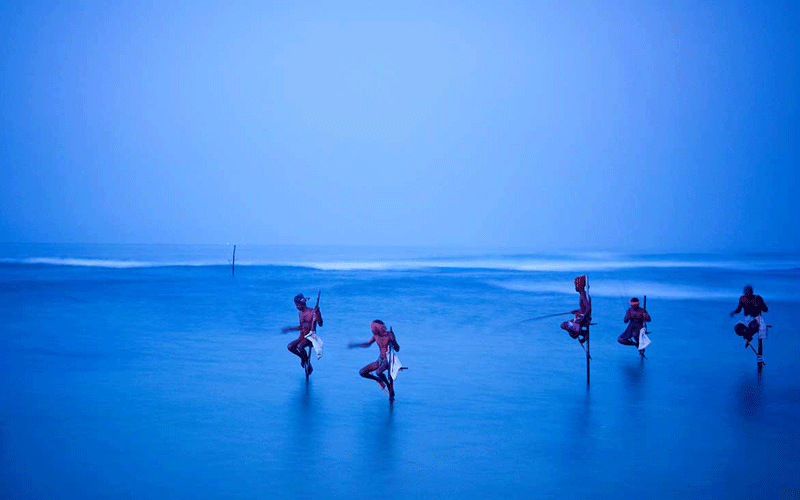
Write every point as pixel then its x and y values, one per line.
pixel 233 261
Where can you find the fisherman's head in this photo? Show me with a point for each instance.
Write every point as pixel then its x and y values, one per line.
pixel 300 301
pixel 378 327
pixel 748 291
pixel 634 302
pixel 580 283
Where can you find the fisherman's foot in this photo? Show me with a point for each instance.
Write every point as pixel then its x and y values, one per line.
pixel 383 386
pixel 309 369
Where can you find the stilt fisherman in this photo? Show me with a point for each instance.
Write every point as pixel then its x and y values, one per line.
pixel 307 318
pixel 583 316
pixel 636 317
pixel 753 322
pixel 386 343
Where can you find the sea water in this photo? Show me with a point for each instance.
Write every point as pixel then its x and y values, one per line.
pixel 153 372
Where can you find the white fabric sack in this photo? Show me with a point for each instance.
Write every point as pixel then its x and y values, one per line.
pixel 644 340
pixel 394 364
pixel 762 326
pixel 316 342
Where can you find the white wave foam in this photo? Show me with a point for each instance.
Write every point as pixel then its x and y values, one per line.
pixel 114 264
pixel 541 265
pixel 624 289
pixel 492 264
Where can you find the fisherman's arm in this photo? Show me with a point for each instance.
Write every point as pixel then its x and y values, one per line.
pixel 764 307
pixel 291 329
pixel 364 344
pixel 393 340
pixel 738 308
pixel 627 316
pixel 319 316
pixel 646 316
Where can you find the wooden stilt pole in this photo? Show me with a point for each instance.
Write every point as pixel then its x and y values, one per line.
pixel 588 356
pixel 761 352
pixel 233 261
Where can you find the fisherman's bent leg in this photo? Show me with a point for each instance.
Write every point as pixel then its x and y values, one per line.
pixel 365 372
pixel 295 348
pixel 301 346
pixel 743 330
pixel 626 338
pixel 572 328
pixel 381 372
pixel 385 375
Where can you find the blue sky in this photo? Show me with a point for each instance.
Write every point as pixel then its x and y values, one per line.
pixel 629 126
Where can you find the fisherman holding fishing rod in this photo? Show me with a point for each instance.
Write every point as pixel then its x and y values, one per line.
pixel 309 319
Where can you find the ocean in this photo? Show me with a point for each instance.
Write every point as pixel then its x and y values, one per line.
pixel 150 371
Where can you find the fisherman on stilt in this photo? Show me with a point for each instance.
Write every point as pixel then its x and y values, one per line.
pixel 636 317
pixel 753 323
pixel 386 342
pixel 583 316
pixel 307 318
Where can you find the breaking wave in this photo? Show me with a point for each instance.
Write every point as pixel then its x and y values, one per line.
pixel 510 264
pixel 543 265
pixel 619 288
pixel 108 263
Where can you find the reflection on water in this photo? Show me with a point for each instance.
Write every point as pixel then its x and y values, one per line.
pixel 749 396
pixel 378 440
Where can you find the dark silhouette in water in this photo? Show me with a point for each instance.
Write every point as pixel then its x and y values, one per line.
pixel 753 305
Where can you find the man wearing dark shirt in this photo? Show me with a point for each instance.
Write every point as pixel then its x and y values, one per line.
pixel 636 317
pixel 753 305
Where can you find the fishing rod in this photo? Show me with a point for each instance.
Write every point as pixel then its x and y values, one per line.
pixel 541 317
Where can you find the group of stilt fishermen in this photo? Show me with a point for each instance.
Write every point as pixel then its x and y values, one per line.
pixel 636 317
pixel 578 327
pixel 384 370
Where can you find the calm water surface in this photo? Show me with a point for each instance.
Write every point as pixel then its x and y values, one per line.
pixel 127 373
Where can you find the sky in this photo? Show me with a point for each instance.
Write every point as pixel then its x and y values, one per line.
pixel 619 126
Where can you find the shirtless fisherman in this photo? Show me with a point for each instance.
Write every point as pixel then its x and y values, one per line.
pixel 583 316
pixel 752 323
pixel 385 340
pixel 307 316
pixel 636 317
